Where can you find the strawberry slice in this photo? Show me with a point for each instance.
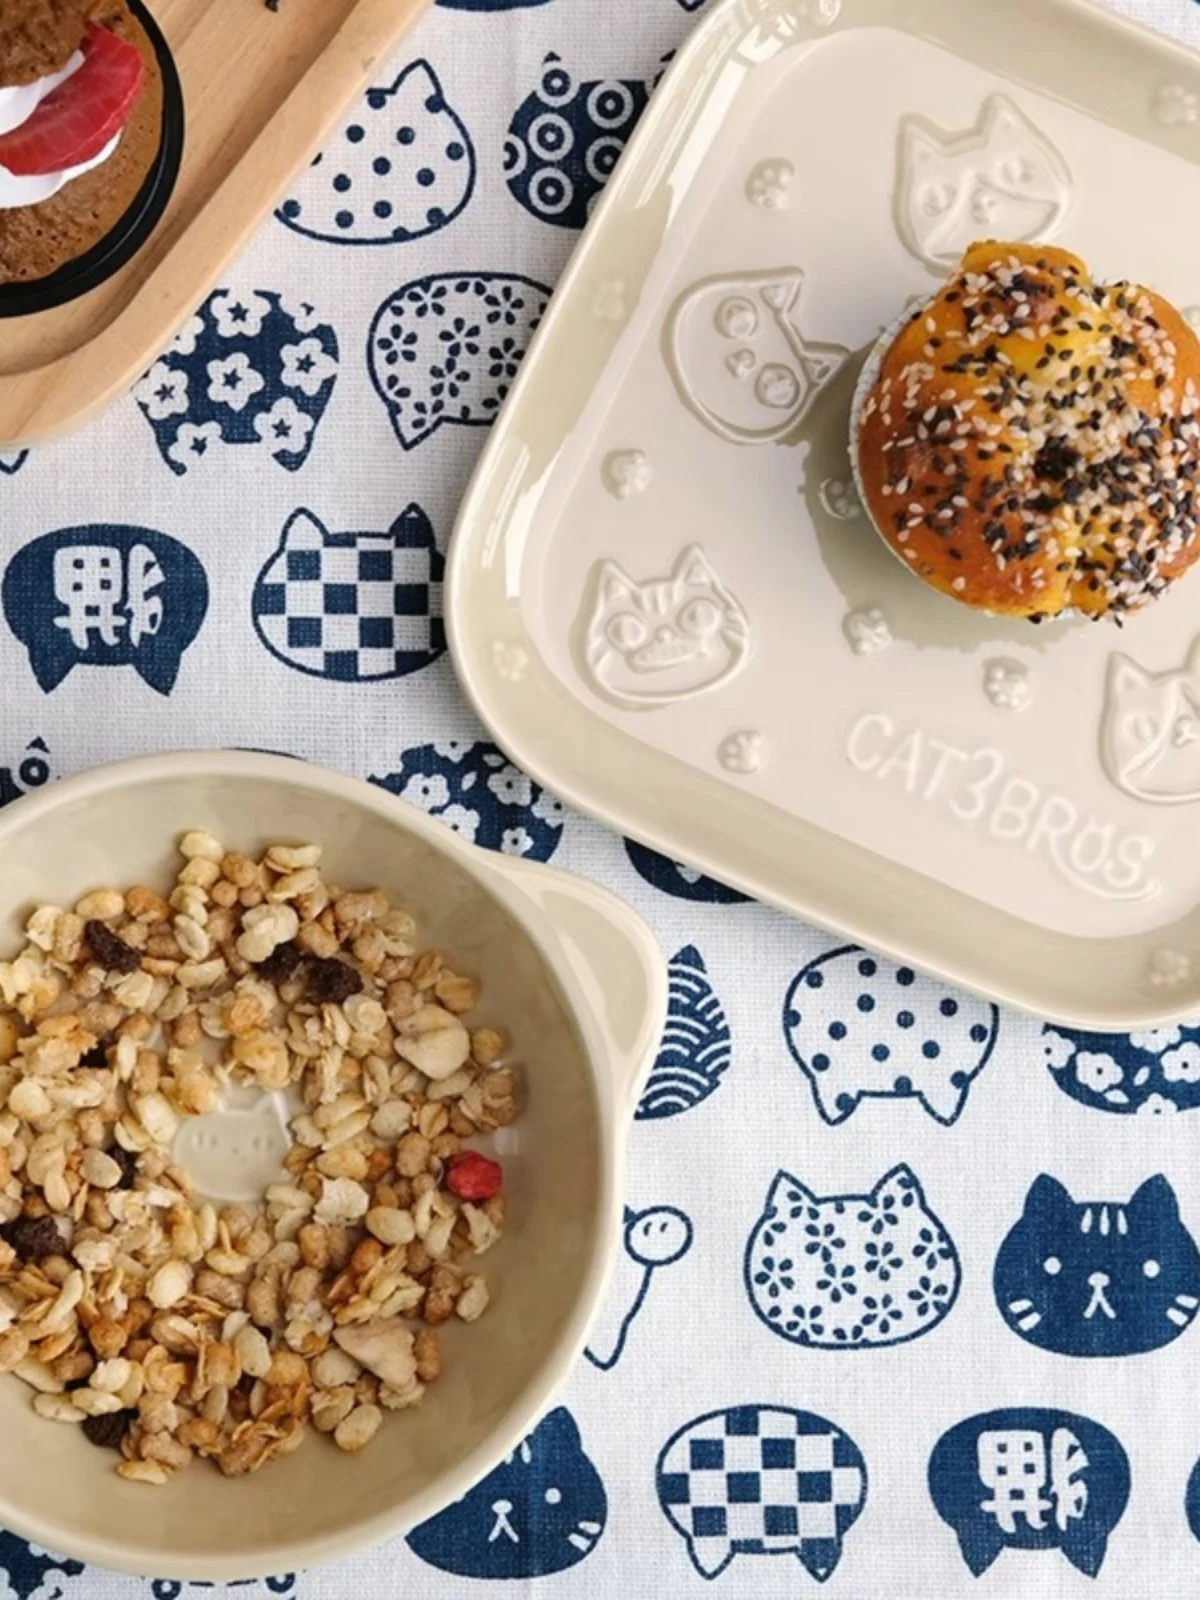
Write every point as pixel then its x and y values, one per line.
pixel 75 122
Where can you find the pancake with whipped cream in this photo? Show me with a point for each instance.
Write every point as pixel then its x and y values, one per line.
pixel 80 125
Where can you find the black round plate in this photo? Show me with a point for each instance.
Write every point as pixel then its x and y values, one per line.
pixel 126 238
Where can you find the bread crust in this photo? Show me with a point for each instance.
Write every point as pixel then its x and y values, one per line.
pixel 1030 445
pixel 39 37
pixel 37 240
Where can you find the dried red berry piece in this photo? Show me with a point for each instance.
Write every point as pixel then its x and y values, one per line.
pixel 113 954
pixel 331 981
pixel 108 1430
pixel 33 1237
pixel 281 963
pixel 473 1177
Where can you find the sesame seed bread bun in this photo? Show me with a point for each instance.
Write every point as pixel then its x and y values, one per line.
pixel 1028 442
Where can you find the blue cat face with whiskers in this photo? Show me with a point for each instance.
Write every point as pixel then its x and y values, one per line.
pixel 1094 1278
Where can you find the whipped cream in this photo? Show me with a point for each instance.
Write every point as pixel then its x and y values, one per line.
pixel 17 105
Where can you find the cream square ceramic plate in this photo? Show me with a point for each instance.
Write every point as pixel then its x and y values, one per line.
pixel 665 600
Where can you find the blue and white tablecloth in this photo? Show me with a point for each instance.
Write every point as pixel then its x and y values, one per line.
pixel 835 1161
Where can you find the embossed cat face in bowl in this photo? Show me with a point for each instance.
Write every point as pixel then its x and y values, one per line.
pixel 665 598
pixel 576 980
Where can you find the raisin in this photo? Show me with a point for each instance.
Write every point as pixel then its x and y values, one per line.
pixel 331 981
pixel 281 963
pixel 108 1430
pixel 97 1056
pixel 473 1177
pixel 113 954
pixel 127 1162
pixel 33 1237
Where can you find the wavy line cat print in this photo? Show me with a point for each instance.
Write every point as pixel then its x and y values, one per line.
pixel 1098 1277
pixel 851 1271
pixel 1150 730
pixel 696 1048
pixel 1001 179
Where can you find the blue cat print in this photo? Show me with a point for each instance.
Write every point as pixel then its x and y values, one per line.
pixel 353 607
pixel 762 1480
pixel 490 5
pixel 34 1574
pixel 444 350
pixel 655 1238
pixel 541 1511
pixel 1191 1504
pixel 246 1588
pixel 1027 1478
pixel 565 140
pixel 1098 1277
pixel 476 791
pixel 400 167
pixel 679 880
pixel 28 771
pixel 696 1047
pixel 249 369
pixel 859 1027
pixel 1154 1072
pixel 105 596
pixel 851 1271
pixel 11 462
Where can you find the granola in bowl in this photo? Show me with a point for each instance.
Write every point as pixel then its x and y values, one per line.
pixel 167 1325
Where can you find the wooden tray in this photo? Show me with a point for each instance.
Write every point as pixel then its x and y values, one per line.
pixel 262 90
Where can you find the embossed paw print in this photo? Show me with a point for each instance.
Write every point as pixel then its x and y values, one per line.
pixel 743 752
pixel 1007 685
pixel 1169 968
pixel 627 473
pixel 840 498
pixel 612 301
pixel 510 660
pixel 769 182
pixel 1175 105
pixel 867 632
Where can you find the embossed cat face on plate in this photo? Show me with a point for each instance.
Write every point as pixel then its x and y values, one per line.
pixel 1150 737
pixel 1001 179
pixel 652 642
pixel 739 360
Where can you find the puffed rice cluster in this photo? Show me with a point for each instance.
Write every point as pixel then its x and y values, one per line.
pixel 169 1328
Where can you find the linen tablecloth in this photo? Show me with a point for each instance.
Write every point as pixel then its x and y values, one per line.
pixel 813 1299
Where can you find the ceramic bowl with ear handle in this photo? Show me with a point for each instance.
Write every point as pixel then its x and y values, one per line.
pixel 568 972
